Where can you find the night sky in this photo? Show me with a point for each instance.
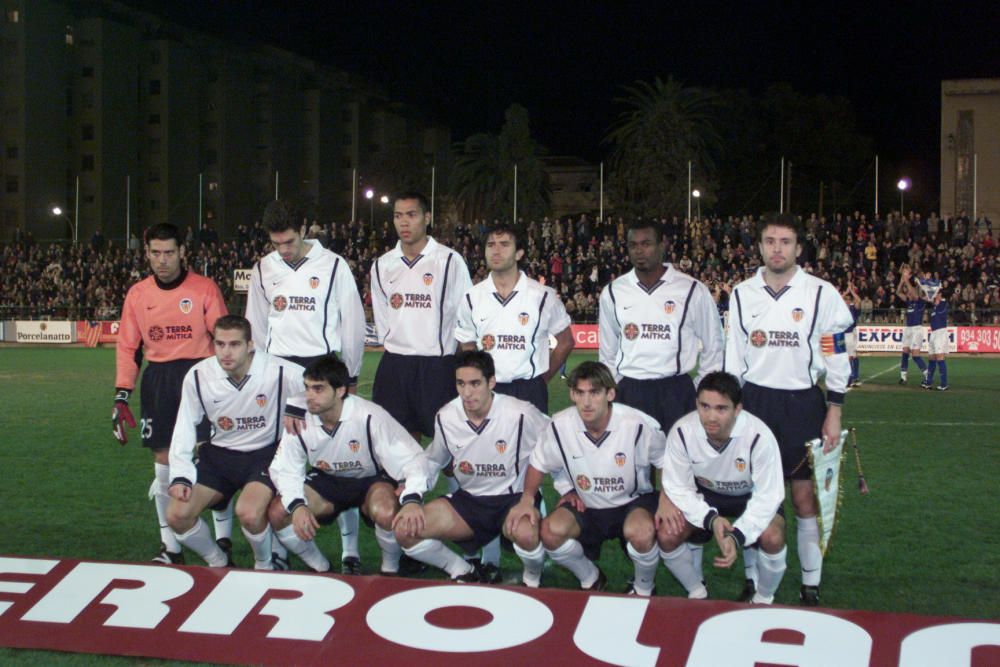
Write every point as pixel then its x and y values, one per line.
pixel 464 63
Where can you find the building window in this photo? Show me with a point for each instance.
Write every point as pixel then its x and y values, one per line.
pixel 12 152
pixel 10 217
pixel 211 156
pixel 13 186
pixel 154 119
pixel 213 186
pixel 87 132
pixel 88 199
pixel 348 140
pixel 347 115
pixel 86 163
pixel 154 87
pixel 13 16
pixel 87 72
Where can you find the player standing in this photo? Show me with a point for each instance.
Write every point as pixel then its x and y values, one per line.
pixel 303 304
pixel 937 344
pixel 913 332
pixel 168 319
pixel 852 300
pixel 786 332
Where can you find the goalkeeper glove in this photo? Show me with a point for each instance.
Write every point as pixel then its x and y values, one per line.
pixel 121 416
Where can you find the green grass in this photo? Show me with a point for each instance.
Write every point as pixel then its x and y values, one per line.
pixel 926 541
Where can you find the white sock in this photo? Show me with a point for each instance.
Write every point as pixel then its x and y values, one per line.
pixel 348 521
pixel 433 552
pixel 307 551
pixel 810 556
pixel 491 552
pixel 391 551
pixel 223 521
pixel 750 563
pixel 645 564
pixel 278 549
pixel 260 544
pixel 697 552
pixel 570 555
pixel 199 540
pixel 679 563
pixel 533 562
pixel 772 569
pixel 161 498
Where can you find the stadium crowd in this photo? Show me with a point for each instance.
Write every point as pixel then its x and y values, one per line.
pixel 575 256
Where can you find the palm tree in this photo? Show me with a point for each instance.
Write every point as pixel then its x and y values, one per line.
pixel 664 125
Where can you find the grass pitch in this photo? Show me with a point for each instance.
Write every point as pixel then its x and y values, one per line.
pixel 926 541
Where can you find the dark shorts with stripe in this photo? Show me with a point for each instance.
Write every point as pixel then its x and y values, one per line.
pixel 534 391
pixel 412 389
pixel 159 400
pixel 795 417
pixel 484 515
pixel 731 507
pixel 666 399
pixel 227 471
pixel 599 525
pixel 343 493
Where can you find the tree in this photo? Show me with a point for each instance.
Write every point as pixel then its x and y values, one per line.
pixel 482 179
pixel 664 125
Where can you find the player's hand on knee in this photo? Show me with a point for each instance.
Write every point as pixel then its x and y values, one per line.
pixel 573 500
pixel 524 509
pixel 181 492
pixel 304 523
pixel 121 416
pixel 668 516
pixel 409 520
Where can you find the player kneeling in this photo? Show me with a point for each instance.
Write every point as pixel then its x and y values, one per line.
pixel 356 453
pixel 721 462
pixel 605 448
pixel 488 438
pixel 242 392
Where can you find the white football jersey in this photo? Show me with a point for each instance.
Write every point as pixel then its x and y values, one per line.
pixel 608 471
pixel 515 331
pixel 308 309
pixel 366 441
pixel 416 303
pixel 651 333
pixel 489 459
pixel 789 339
pixel 245 417
pixel 750 463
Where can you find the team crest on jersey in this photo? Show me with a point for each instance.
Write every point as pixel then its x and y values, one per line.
pixel 324 466
pixel 620 459
pixel 741 465
pixel 396 300
pixel 489 342
pixel 280 303
pixel 225 423
pixel 155 333
pixel 314 282
pixel 669 307
pixel 798 314
pixel 186 305
pixel 466 468
pixel 523 319
pixel 758 338
pixel 583 482
pixel 355 446
pixel 631 331
pixel 428 279
pixel 501 446
pixel 828 479
pixel 261 400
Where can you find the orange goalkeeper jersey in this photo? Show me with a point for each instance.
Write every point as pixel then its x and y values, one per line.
pixel 168 324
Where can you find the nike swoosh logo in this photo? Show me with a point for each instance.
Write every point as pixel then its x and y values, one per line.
pixel 217 400
pixel 695 463
pixel 273 284
pixel 626 307
pixel 755 316
pixel 150 307
pixel 482 319
pixel 578 457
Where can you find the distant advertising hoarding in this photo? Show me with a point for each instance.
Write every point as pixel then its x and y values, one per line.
pixel 43 332
pixel 241 280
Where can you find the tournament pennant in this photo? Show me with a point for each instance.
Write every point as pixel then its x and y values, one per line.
pixel 827 484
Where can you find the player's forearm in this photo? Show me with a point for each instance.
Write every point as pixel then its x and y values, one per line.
pixel 532 482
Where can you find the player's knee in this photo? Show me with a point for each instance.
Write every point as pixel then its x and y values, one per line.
pixel 666 540
pixel 179 518
pixel 251 517
pixel 525 535
pixel 382 514
pixel 640 534
pixel 277 516
pixel 772 540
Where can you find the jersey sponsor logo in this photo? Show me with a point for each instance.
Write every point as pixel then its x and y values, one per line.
pixel 741 464
pixel 583 482
pixel 631 331
pixel 428 279
pixel 780 338
pixel 620 459
pixel 280 303
pixel 355 446
pixel 314 282
pixel 324 466
pixel 251 423
pixel 523 318
pixel 338 466
pixel 490 470
pixel 669 307
pixel 501 446
pixel 466 468
pixel 225 423
pixel 758 338
pixel 261 400
pixel 155 333
pixel 418 301
pixel 181 332
pixel 489 342
pixel 396 300
pixel 655 332
pixel 509 342
pixel 798 314
pixel 186 305
pixel 302 303
pixel 609 484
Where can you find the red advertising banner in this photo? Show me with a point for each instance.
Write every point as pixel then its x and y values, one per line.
pixel 585 336
pixel 281 618
pixel 93 332
pixel 978 339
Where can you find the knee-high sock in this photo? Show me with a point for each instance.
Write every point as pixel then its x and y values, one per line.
pixel 855 368
pixel 809 554
pixel 944 373
pixel 679 563
pixel 750 563
pixel 433 552
pixel 570 555
pixel 160 492
pixel 644 579
pixel 772 569
pixel 904 362
pixel 199 540
pixel 260 544
pixel 931 367
pixel 919 361
pixel 222 521
pixel 491 552
pixel 391 551
pixel 697 552
pixel 533 562
pixel 348 521
pixel 307 551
